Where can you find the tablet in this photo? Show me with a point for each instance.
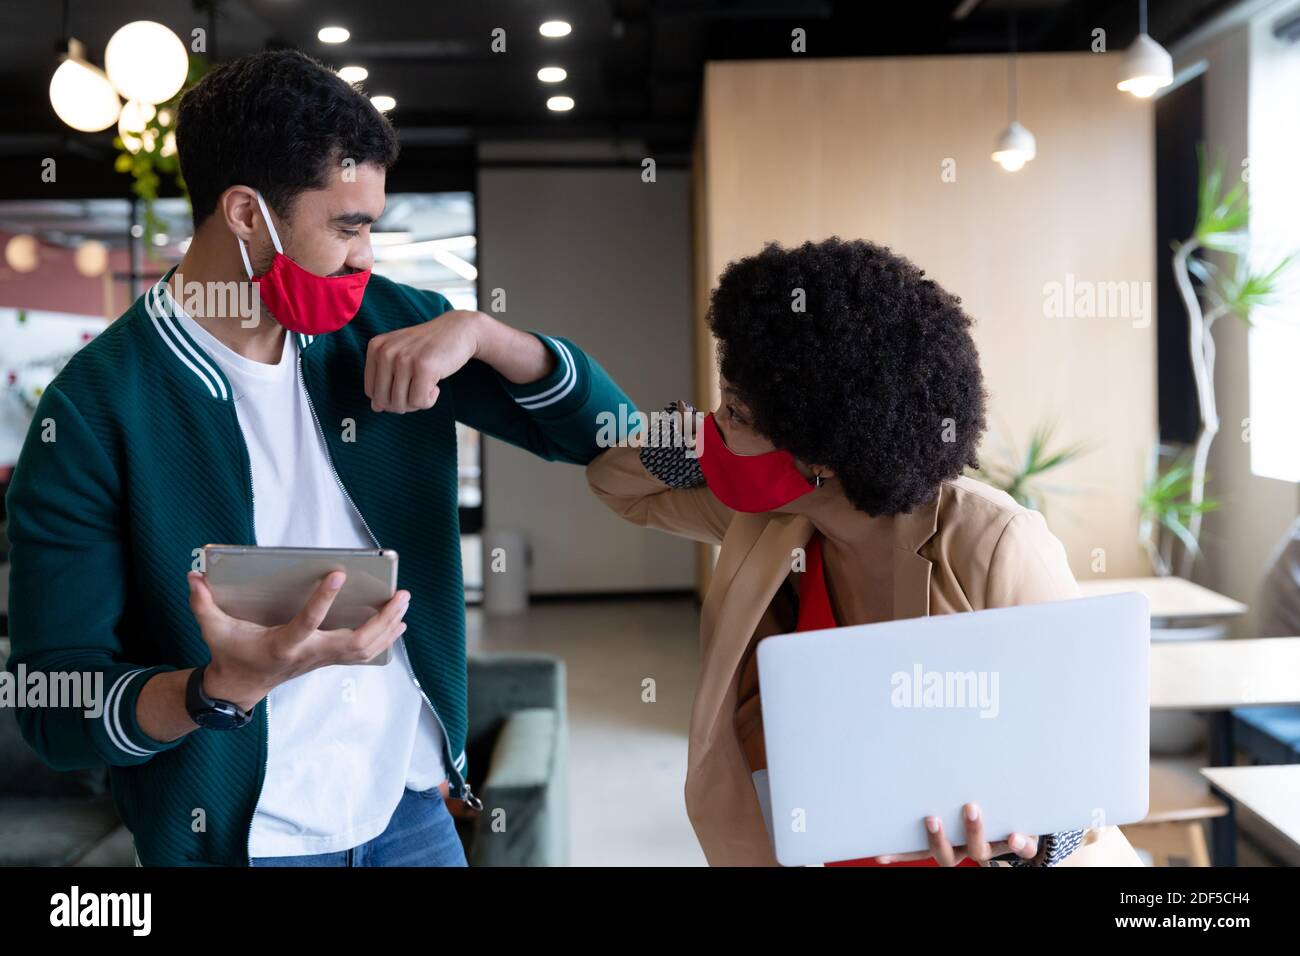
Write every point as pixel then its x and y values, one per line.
pixel 269 586
pixel 1037 713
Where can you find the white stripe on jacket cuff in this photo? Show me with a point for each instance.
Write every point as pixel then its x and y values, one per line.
pixel 562 388
pixel 112 716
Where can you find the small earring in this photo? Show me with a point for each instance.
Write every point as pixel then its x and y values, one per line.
pixel 817 479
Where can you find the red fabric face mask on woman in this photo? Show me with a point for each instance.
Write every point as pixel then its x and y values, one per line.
pixel 302 301
pixel 750 483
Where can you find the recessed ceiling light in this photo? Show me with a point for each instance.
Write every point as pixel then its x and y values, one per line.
pixel 353 74
pixel 560 103
pixel 555 28
pixel 333 35
pixel 552 74
pixel 383 103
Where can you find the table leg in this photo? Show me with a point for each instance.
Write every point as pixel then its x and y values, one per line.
pixel 1223 830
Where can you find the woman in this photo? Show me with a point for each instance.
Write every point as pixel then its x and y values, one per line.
pixel 831 476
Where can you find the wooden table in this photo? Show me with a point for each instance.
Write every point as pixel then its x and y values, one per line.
pixel 1271 792
pixel 1172 599
pixel 1214 677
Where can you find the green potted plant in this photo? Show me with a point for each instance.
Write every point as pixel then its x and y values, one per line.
pixel 1210 290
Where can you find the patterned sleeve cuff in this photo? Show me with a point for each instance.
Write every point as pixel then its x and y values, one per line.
pixel 664 454
pixel 1053 849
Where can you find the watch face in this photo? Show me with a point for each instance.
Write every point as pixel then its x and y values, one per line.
pixel 215 719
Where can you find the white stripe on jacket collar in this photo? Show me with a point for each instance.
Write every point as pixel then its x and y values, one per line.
pixel 163 311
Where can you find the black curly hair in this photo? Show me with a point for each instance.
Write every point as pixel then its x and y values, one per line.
pixel 878 377
pixel 275 121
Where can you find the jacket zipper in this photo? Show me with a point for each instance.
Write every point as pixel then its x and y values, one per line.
pixel 266 734
pixel 466 793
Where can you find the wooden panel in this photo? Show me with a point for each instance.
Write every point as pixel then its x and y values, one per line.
pixel 797 150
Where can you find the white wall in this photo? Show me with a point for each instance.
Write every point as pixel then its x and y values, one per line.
pixel 602 258
pixel 1255 511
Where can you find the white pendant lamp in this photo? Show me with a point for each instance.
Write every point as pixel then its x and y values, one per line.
pixel 1015 145
pixel 132 126
pixel 81 94
pixel 1146 65
pixel 146 62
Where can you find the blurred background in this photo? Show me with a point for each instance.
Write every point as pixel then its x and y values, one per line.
pixel 1110 188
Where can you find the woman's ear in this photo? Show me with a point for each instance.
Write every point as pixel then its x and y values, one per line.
pixel 812 472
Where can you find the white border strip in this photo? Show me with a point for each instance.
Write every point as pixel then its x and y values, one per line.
pixel 112 719
pixel 184 342
pixel 564 387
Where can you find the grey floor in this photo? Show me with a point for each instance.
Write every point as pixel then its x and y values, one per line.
pixel 631 668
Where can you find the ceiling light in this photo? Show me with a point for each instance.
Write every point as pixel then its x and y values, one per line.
pixel 552 74
pixel 392 251
pixel 91 258
pixel 81 94
pixel 383 103
pixel 131 126
pixel 1145 68
pixel 353 74
pixel 1015 147
pixel 555 28
pixel 560 103
pixel 21 253
pixel 333 35
pixel 146 62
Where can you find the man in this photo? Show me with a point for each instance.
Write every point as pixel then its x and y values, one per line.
pixel 323 418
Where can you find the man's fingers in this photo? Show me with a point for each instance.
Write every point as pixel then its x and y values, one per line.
pixel 309 619
pixel 377 633
pixel 400 384
pixel 387 616
pixel 371 362
pixel 202 605
pixel 380 369
pixel 384 640
pixel 424 387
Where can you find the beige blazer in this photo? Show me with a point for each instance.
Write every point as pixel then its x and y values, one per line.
pixel 972 547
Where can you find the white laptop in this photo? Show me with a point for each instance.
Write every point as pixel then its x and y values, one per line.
pixel 1037 713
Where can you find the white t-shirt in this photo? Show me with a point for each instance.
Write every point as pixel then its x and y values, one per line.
pixel 345 740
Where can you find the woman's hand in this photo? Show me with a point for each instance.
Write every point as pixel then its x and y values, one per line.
pixel 976 846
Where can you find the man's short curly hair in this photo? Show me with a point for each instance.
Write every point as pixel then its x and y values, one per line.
pixel 276 121
pixel 876 376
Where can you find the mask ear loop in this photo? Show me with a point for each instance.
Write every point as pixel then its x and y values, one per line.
pixel 270 227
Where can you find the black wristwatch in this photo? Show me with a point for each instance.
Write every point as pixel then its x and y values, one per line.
pixel 209 712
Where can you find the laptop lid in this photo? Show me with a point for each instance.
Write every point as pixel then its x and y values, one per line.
pixel 1038 713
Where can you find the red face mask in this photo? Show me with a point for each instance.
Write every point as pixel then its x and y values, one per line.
pixel 750 483
pixel 302 301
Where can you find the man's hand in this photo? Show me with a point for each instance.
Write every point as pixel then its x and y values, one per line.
pixel 976 847
pixel 403 368
pixel 249 660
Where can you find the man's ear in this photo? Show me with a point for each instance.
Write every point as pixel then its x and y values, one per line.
pixel 239 210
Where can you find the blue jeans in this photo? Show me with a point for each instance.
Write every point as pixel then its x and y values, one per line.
pixel 422 832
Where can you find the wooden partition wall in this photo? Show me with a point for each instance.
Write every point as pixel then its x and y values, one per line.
pixel 897 151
